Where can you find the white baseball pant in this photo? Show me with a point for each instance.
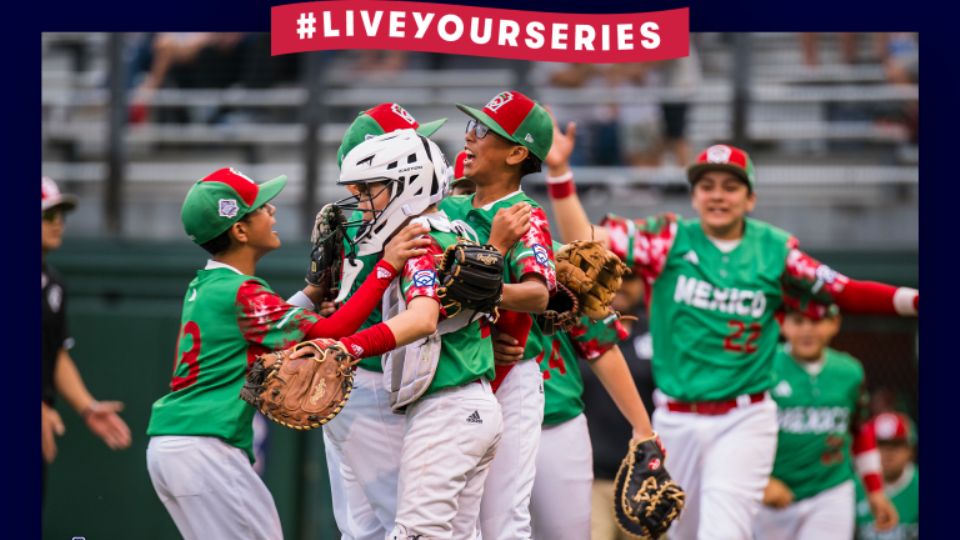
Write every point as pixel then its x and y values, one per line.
pixel 828 515
pixel 723 463
pixel 450 440
pixel 363 444
pixel 505 513
pixel 211 490
pixel 560 503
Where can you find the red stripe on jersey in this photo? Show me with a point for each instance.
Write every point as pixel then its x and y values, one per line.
pixel 245 188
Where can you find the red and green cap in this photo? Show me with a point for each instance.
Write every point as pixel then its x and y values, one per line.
pixel 384 118
pixel 894 427
pixel 722 157
pixel 222 198
pixel 518 119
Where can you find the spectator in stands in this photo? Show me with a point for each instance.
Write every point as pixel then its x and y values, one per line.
pixel 810 41
pixel 902 66
pixel 609 431
pixel 202 60
pixel 681 78
pixel 58 371
pixel 638 115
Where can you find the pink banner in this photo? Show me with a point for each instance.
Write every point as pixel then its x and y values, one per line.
pixel 500 33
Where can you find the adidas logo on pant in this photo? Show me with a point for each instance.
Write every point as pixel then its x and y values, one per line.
pixel 474 418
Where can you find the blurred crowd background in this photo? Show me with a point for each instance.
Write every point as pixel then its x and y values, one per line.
pixel 130 121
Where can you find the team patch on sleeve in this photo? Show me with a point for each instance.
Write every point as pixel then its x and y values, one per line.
pixel 424 278
pixel 540 254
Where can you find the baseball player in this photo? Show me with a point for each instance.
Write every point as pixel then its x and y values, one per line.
pixel 504 141
pixel 439 375
pixel 714 284
pixel 363 442
pixel 896 439
pixel 822 404
pixel 59 373
pixel 560 502
pixel 201 447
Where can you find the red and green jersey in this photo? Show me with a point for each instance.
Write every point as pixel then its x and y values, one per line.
pixel 533 253
pixel 905 496
pixel 228 320
pixel 562 383
pixel 465 354
pixel 369 261
pixel 817 415
pixel 712 312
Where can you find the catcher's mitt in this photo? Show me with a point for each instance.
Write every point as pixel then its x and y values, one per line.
pixel 326 255
pixel 593 273
pixel 562 313
pixel 470 276
pixel 646 500
pixel 302 393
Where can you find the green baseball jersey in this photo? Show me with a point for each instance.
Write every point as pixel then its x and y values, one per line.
pixel 562 382
pixel 372 363
pixel 533 253
pixel 712 312
pixel 905 496
pixel 228 320
pixel 465 354
pixel 815 414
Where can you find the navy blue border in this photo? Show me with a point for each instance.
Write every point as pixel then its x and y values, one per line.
pixel 940 89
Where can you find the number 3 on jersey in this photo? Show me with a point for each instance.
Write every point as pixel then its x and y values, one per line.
pixel 189 358
pixel 737 329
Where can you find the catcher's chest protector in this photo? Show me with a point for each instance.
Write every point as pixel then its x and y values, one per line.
pixel 408 371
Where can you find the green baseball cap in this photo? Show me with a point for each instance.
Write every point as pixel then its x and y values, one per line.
pixel 384 118
pixel 222 198
pixel 518 119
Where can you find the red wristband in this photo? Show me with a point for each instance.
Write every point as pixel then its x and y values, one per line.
pixel 373 341
pixel 561 187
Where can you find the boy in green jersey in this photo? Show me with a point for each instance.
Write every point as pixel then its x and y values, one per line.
pixel 439 374
pixel 505 140
pixel 896 440
pixel 823 438
pixel 714 285
pixel 200 452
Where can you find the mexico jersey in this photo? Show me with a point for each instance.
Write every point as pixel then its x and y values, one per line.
pixel 466 354
pixel 228 320
pixel 533 253
pixel 562 382
pixel 712 312
pixel 815 414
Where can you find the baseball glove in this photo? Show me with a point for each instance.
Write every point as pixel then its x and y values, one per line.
pixel 326 255
pixel 302 393
pixel 593 273
pixel 470 277
pixel 646 500
pixel 562 313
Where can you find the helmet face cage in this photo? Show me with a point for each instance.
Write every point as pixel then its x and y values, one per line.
pixel 416 172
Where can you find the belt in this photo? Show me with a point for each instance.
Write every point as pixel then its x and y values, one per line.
pixel 713 408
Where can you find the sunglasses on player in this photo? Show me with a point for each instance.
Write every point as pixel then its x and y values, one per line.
pixel 478 129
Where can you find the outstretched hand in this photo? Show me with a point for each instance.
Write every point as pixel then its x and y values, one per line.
pixel 102 419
